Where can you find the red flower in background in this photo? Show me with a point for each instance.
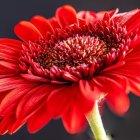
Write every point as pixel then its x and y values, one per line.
pixel 63 64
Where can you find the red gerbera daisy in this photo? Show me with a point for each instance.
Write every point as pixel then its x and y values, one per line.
pixel 66 63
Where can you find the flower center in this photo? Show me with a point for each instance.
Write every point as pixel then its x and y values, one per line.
pixel 73 51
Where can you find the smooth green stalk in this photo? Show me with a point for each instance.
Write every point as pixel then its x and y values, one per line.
pixel 96 125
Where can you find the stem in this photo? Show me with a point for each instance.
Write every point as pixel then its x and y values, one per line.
pixel 96 125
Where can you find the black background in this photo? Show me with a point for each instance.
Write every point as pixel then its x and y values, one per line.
pixel 12 11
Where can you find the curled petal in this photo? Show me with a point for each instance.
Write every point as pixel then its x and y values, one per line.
pixel 134 86
pixel 116 96
pixel 88 16
pixel 70 77
pixel 17 124
pixel 11 43
pixel 88 89
pixel 39 119
pixel 6 124
pixel 8 65
pixel 42 24
pixel 59 100
pixel 73 119
pixel 66 15
pixel 133 22
pixel 27 31
pixel 54 23
pixel 9 103
pixel 11 83
pixel 118 103
pixel 34 78
pixel 130 69
pixel 32 101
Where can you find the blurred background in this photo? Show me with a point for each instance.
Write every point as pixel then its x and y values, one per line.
pixel 12 11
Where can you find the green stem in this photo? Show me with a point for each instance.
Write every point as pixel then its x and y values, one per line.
pixel 96 125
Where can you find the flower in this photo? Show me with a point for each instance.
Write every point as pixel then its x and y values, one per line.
pixel 64 64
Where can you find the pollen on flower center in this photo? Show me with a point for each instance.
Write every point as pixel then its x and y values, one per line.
pixel 74 51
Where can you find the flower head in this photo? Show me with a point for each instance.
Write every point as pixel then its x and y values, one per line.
pixel 64 64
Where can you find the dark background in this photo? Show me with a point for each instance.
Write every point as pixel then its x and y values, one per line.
pixel 12 11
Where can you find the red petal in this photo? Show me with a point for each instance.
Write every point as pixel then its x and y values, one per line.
pixel 12 49
pixel 10 101
pixel 88 90
pixel 124 17
pixel 2 95
pixel 9 124
pixel 11 83
pixel 59 100
pixel 73 119
pixel 134 85
pixel 32 101
pixel 11 43
pixel 38 120
pixel 5 124
pixel 5 72
pixel 81 22
pixel 54 23
pixel 8 65
pixel 42 24
pixel 34 78
pixel 9 56
pixel 133 22
pixel 111 13
pixel 119 103
pixel 122 80
pixel 91 17
pixel 66 15
pixel 27 31
pixel 129 69
pixel 88 16
pixel 7 69
pixel 17 124
pixel 129 19
pixel 70 77
pixel 9 49
pixel 113 67
pixel 135 51
pixel 116 98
